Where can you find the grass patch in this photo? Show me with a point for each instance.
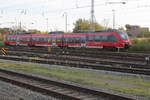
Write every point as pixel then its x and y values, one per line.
pixel 132 85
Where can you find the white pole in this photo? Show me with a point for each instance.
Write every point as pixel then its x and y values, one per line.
pixel 92 15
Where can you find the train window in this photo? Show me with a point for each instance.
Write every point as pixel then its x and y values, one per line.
pixel 58 39
pixel 20 39
pixel 9 38
pixel 41 39
pixel 50 39
pixel 23 39
pixel 76 40
pixel 98 37
pixel 28 39
pixel 12 38
pixel 83 39
pixel 53 39
pixel 6 38
pixel 70 40
pixel 104 38
pixel 112 38
pixel 66 39
pixel 45 39
pixel 91 38
pixel 123 35
pixel 35 39
pixel 17 38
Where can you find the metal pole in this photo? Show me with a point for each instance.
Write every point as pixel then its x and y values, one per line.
pixel 92 15
pixel 65 14
pixel 16 25
pixel 47 23
pixel 20 26
pixel 66 22
pixel 114 11
pixel 113 19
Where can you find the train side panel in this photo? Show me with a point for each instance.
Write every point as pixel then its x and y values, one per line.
pixel 113 39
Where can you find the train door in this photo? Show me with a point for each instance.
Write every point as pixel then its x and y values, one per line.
pixel 83 41
pixel 54 41
pixel 30 41
pixel 17 40
pixel 62 40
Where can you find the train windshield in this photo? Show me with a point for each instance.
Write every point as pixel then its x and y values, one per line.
pixel 123 35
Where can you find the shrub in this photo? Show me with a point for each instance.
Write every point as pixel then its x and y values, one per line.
pixel 140 44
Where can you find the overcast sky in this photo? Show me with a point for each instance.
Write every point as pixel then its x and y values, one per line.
pixel 34 14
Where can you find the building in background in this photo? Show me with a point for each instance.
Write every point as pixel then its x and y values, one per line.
pixel 134 30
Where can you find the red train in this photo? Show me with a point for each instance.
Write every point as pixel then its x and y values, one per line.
pixel 98 39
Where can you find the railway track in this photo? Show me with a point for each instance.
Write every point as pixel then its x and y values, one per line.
pixel 56 88
pixel 84 64
pixel 84 52
pixel 120 62
pixel 98 60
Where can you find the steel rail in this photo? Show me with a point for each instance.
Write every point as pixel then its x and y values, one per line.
pixel 116 55
pixel 63 96
pixel 81 64
pixel 131 64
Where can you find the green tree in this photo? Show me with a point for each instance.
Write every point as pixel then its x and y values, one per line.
pixel 4 31
pixel 121 28
pixel 34 31
pixel 83 24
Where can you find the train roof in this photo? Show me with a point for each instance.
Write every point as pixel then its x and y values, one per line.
pixel 91 31
pixel 56 32
pixel 81 32
pixel 108 30
pixel 85 31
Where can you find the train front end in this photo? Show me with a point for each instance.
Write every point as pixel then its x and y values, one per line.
pixel 124 40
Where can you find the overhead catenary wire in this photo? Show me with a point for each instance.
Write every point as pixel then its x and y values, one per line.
pixel 80 7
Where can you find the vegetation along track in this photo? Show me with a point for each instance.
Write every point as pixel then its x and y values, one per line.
pixel 56 88
pixel 83 60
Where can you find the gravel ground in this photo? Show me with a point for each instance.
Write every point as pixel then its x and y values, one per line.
pixel 12 92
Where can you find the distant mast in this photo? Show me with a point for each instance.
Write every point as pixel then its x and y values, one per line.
pixel 92 15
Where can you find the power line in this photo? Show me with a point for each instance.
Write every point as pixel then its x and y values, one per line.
pixel 82 7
